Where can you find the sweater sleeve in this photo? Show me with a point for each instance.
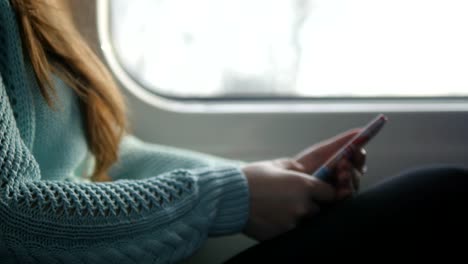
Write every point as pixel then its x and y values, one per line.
pixel 160 219
pixel 138 159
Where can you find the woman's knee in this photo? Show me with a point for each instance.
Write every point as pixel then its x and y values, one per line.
pixel 452 174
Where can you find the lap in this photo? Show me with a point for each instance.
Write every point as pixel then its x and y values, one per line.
pixel 422 207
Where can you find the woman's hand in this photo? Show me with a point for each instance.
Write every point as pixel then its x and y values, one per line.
pixel 347 174
pixel 283 192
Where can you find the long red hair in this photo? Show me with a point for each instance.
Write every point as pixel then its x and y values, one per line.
pixel 54 46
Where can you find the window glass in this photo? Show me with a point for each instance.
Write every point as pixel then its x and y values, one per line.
pixel 294 48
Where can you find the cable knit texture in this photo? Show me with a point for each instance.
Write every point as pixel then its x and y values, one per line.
pixel 163 203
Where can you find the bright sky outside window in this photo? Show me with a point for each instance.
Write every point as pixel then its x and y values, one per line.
pixel 294 48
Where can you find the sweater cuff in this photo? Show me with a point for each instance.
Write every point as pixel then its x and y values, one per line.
pixel 226 190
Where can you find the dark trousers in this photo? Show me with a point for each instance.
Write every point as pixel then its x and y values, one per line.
pixel 420 213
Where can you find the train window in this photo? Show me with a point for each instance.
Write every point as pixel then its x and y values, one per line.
pixel 297 48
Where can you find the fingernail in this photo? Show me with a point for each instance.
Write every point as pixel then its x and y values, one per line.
pixel 364 169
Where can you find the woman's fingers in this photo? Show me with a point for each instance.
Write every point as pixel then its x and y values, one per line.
pixel 348 178
pixel 356 179
pixel 359 168
pixel 313 157
pixel 320 191
pixel 359 160
pixel 343 179
pixel 289 164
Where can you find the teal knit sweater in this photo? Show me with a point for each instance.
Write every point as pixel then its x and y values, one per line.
pixel 161 207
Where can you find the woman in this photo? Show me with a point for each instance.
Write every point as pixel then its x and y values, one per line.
pixel 141 203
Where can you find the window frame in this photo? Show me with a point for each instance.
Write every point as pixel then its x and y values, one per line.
pixel 262 104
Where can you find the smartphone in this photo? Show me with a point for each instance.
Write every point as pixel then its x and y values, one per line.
pixel 324 173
